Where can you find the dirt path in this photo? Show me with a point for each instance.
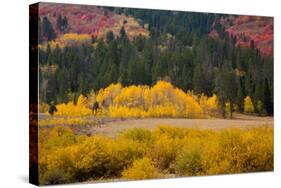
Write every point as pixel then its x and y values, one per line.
pixel 239 121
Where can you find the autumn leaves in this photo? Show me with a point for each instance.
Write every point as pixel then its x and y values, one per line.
pixel 160 100
pixel 142 154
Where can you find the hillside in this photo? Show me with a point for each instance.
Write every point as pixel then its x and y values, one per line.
pixel 95 22
pixel 89 21
pixel 178 50
pixel 245 29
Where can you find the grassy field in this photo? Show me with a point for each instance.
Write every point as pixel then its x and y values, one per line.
pixel 141 153
pixel 92 149
pixel 113 126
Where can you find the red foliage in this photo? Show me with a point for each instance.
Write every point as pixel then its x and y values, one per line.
pixel 252 28
pixel 213 34
pixel 81 19
pixel 242 19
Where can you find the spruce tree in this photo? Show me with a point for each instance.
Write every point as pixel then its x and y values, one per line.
pixel 48 31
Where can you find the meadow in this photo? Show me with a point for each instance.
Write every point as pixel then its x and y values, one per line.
pixel 140 153
pixel 142 132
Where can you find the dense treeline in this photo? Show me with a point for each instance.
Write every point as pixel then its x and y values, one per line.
pixel 178 51
pixel 177 23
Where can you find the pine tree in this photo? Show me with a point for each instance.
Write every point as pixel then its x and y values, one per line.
pixel 59 23
pixel 226 88
pixel 65 24
pixel 109 37
pixel 259 97
pixel 268 102
pixel 122 33
pixel 48 31
pixel 62 24
pixel 240 95
pixel 198 79
pixel 231 88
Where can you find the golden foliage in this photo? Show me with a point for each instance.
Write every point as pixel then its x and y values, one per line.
pixel 141 153
pixel 141 169
pixel 141 101
pixel 161 100
pixel 70 109
pixel 73 38
pixel 91 99
pixel 212 104
pixel 106 96
pixel 81 101
pixel 67 39
pixel 248 105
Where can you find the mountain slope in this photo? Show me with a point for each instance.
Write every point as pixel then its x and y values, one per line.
pixel 92 20
pixel 247 31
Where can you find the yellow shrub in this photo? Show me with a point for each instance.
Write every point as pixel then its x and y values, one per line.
pixel 141 169
pixel 56 166
pixel 164 152
pixel 141 153
pixel 57 137
pixel 236 150
pixel 137 134
pixel 189 161
pixel 171 132
pixel 124 152
pixel 93 155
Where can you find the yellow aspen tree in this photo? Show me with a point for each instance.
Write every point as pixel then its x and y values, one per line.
pixel 213 105
pixel 81 101
pixel 248 105
pixel 105 97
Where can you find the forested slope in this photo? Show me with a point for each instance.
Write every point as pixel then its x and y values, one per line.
pixel 85 49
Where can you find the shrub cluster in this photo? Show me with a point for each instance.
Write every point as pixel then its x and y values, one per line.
pixel 141 153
